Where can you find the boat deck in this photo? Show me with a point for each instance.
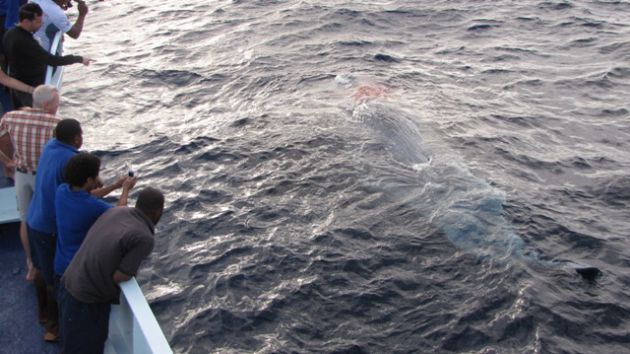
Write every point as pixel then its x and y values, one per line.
pixel 20 330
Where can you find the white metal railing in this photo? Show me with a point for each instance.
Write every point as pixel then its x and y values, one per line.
pixel 132 327
pixel 54 74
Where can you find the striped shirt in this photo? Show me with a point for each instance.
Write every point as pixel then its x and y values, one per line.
pixel 29 129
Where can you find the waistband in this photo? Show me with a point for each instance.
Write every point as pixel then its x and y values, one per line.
pixel 25 171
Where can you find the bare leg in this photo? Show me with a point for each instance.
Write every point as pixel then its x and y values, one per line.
pixel 30 273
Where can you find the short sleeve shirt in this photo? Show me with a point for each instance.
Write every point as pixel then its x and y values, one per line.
pixel 76 211
pixel 55 20
pixel 30 129
pixel 119 240
pixel 41 212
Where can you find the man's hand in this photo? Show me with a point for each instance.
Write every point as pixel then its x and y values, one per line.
pixel 119 183
pixel 6 160
pixel 10 164
pixel 82 7
pixel 87 61
pixel 129 183
pixel 119 277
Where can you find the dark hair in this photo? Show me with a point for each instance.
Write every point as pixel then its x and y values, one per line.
pixel 29 11
pixel 67 129
pixel 150 201
pixel 81 167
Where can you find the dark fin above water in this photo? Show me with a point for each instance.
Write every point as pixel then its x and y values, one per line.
pixel 588 273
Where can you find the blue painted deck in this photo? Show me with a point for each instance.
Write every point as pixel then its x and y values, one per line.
pixel 20 331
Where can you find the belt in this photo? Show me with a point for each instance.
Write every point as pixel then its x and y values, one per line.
pixel 25 171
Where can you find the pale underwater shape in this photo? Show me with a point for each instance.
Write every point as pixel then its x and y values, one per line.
pixel 466 208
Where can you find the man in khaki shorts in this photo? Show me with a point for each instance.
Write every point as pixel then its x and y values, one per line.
pixel 29 130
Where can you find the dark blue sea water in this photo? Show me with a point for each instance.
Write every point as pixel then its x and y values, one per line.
pixel 445 216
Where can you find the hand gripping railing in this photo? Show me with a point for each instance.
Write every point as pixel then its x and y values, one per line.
pixel 54 74
pixel 133 328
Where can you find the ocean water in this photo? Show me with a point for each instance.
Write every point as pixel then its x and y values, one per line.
pixel 443 215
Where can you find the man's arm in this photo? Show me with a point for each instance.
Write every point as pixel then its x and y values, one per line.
pixel 41 55
pixel 75 30
pixel 6 160
pixel 103 191
pixel 8 81
pixel 138 250
pixel 4 130
pixel 126 183
pixel 127 186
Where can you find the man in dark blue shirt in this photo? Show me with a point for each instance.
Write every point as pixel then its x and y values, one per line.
pixel 40 221
pixel 76 209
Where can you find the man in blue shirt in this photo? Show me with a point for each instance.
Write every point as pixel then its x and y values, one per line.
pixel 76 209
pixel 40 220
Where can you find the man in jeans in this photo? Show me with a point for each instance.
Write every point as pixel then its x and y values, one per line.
pixel 110 254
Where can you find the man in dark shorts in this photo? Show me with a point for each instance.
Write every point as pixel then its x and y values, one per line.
pixel 110 254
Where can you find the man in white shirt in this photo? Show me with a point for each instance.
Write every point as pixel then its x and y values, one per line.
pixel 55 20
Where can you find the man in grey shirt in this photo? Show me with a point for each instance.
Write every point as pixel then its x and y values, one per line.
pixel 111 253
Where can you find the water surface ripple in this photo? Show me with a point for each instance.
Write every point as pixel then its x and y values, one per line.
pixel 441 217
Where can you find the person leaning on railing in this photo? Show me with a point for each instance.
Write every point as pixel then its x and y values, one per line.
pixel 76 209
pixel 26 58
pixel 111 253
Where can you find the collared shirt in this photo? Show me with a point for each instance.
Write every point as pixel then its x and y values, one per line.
pixel 119 240
pixel 29 129
pixel 41 212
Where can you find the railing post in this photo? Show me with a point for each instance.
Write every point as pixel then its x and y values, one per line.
pixel 133 327
pixel 55 74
